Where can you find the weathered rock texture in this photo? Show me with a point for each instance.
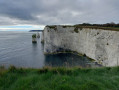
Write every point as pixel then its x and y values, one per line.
pixel 100 45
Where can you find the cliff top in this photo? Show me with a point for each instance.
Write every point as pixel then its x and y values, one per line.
pixel 108 26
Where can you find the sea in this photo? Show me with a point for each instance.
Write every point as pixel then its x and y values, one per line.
pixel 17 49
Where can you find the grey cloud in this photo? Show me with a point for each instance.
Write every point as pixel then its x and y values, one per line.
pixel 58 11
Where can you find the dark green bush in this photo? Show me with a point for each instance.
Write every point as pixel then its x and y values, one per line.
pixel 76 30
pixel 34 36
pixel 12 69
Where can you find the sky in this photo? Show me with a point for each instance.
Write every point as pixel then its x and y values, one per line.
pixel 20 15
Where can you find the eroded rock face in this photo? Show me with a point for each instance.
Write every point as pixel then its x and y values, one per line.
pixel 98 44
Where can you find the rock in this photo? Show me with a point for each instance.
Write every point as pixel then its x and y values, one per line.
pixel 98 44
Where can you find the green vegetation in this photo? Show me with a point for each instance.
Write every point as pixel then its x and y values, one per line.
pixel 64 26
pixel 52 27
pixel 76 30
pixel 108 26
pixel 105 78
pixel 98 27
pixel 34 36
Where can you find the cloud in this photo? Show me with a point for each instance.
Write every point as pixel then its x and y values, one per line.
pixel 21 27
pixel 47 12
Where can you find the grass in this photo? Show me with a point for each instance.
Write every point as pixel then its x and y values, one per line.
pixel 98 27
pixel 81 27
pixel 106 78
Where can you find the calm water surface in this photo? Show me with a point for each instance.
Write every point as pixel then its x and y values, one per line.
pixel 16 49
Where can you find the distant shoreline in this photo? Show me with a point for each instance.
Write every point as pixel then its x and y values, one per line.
pixel 35 30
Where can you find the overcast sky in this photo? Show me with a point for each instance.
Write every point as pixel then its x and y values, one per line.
pixel 38 13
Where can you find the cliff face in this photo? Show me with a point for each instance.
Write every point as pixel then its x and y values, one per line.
pixel 101 45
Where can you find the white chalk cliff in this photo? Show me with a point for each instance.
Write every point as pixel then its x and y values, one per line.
pixel 98 44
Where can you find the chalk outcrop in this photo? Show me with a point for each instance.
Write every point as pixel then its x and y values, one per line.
pixel 100 45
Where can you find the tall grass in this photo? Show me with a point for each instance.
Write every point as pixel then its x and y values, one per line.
pixel 106 78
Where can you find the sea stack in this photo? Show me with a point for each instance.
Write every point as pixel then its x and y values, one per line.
pixel 34 38
pixel 38 35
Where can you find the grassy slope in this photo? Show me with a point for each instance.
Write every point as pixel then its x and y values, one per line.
pixel 59 79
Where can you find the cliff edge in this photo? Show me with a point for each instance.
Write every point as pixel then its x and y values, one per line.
pixel 98 44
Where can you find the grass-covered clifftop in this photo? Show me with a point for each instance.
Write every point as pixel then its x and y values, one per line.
pixel 107 26
pixel 105 78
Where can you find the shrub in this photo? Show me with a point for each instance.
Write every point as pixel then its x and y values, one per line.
pixel 34 36
pixel 76 30
pixel 12 69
